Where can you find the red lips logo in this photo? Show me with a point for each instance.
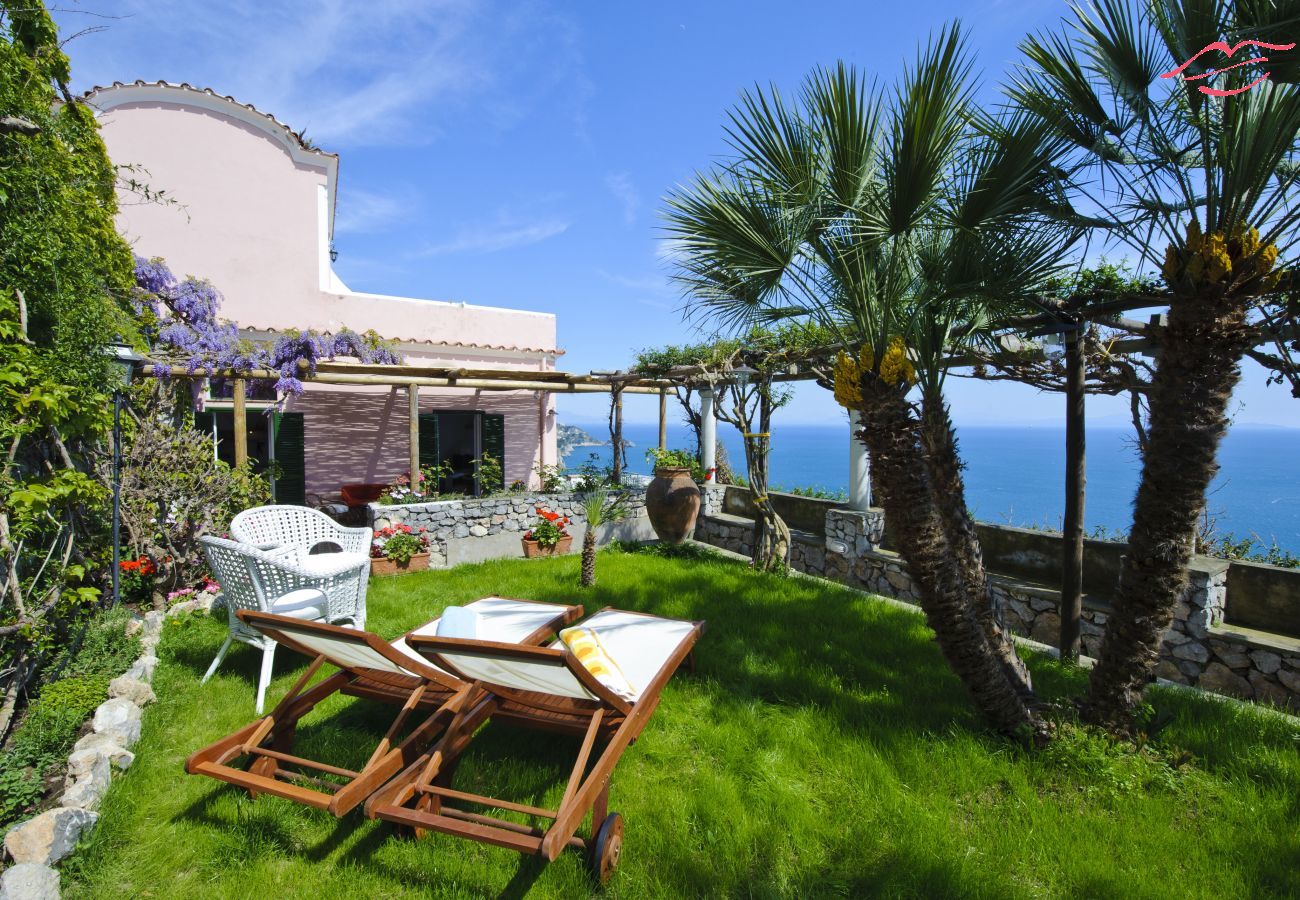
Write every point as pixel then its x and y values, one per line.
pixel 1224 48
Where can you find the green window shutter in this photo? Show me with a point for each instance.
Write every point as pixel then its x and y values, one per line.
pixel 493 436
pixel 429 440
pixel 290 455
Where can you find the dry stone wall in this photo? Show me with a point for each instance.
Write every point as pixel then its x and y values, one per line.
pixel 1199 649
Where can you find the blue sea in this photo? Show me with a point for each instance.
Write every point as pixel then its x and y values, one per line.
pixel 1016 476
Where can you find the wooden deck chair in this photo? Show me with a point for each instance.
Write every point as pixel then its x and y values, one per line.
pixel 546 688
pixel 369 667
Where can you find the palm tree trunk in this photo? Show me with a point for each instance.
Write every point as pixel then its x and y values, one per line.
pixel 892 434
pixel 948 491
pixel 1198 368
pixel 588 577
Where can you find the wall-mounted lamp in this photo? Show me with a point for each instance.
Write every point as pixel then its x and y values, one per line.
pixel 334 253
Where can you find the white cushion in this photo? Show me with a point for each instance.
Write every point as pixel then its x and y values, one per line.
pixel 639 644
pixel 498 619
pixel 304 603
pixel 458 622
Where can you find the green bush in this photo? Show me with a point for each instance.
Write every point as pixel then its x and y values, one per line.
pixel 43 740
pixel 676 459
pixel 105 649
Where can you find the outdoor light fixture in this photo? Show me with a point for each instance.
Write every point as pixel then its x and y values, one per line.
pixel 125 359
pixel 743 373
pixel 334 252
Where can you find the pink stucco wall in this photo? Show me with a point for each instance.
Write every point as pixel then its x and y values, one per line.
pixel 253 212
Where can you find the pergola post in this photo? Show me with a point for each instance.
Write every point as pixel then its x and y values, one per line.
pixel 1075 482
pixel 663 420
pixel 859 467
pixel 616 436
pixel 708 436
pixel 241 422
pixel 413 414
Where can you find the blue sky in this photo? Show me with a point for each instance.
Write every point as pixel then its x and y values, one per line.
pixel 517 154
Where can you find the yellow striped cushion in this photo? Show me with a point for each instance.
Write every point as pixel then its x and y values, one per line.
pixel 585 644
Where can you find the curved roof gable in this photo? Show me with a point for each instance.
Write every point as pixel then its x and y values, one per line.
pixel 105 97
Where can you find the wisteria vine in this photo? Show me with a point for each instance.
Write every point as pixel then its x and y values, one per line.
pixel 181 319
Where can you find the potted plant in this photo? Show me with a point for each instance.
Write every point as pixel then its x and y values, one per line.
pixel 672 499
pixel 398 549
pixel 547 537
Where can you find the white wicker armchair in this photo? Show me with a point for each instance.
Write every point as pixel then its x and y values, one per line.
pixel 269 527
pixel 328 587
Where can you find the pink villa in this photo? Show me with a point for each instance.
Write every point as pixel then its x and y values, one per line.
pixel 256 218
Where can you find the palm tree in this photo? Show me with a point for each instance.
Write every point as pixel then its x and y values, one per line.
pixel 902 223
pixel 601 505
pixel 1199 187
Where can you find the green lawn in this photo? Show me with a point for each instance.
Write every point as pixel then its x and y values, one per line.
pixel 821 748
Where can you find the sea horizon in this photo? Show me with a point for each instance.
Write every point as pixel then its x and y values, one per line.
pixel 1015 474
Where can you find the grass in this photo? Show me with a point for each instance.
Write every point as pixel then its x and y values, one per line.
pixel 822 749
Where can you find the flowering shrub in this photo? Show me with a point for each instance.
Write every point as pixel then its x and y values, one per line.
pixel 399 543
pixel 182 316
pixel 425 489
pixel 549 528
pixel 136 578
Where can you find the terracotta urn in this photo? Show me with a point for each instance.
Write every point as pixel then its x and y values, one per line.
pixel 380 566
pixel 672 501
pixel 532 549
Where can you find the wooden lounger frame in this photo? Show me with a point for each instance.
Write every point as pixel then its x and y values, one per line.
pixel 418 798
pixel 266 742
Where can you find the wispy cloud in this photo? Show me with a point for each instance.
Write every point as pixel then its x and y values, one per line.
pixel 502 234
pixel 367 212
pixel 383 72
pixel 648 290
pixel 620 185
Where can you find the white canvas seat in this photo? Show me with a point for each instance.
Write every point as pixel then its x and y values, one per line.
pixel 548 689
pixel 428 699
pixel 639 644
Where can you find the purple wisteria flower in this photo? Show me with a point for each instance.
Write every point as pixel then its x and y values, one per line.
pixel 189 330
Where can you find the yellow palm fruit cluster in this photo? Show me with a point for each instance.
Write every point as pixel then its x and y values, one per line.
pixel 1218 258
pixel 896 369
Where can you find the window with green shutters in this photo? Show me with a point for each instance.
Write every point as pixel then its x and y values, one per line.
pixel 291 458
pixel 492 429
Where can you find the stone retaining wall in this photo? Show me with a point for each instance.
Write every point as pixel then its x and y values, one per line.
pixel 473 530
pixel 1199 649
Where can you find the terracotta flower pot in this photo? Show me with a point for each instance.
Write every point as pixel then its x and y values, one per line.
pixel 532 549
pixel 672 501
pixel 384 566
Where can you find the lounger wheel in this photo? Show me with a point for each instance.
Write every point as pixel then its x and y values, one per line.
pixel 607 847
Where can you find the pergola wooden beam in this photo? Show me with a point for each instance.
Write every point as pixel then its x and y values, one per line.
pixel 506 381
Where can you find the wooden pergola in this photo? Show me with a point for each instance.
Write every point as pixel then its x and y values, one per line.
pixel 412 378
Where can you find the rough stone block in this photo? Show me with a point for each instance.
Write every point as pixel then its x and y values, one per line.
pixel 1189 668
pixel 29 881
pixel 1230 655
pixel 1291 679
pixel 1269 691
pixel 1265 661
pixel 1046 628
pixel 1193 651
pixel 143 667
pixel 1220 679
pixel 87 780
pixel 1167 670
pixel 120 718
pixel 133 689
pixel 118 756
pixel 50 836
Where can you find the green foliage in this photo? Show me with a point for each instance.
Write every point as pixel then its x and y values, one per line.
pixel 676 459
pixel 815 492
pixel 491 474
pixel 106 649
pixel 58 242
pixel 173 491
pixel 592 474
pixel 402 546
pixel 43 740
pixel 602 505
pixel 551 478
